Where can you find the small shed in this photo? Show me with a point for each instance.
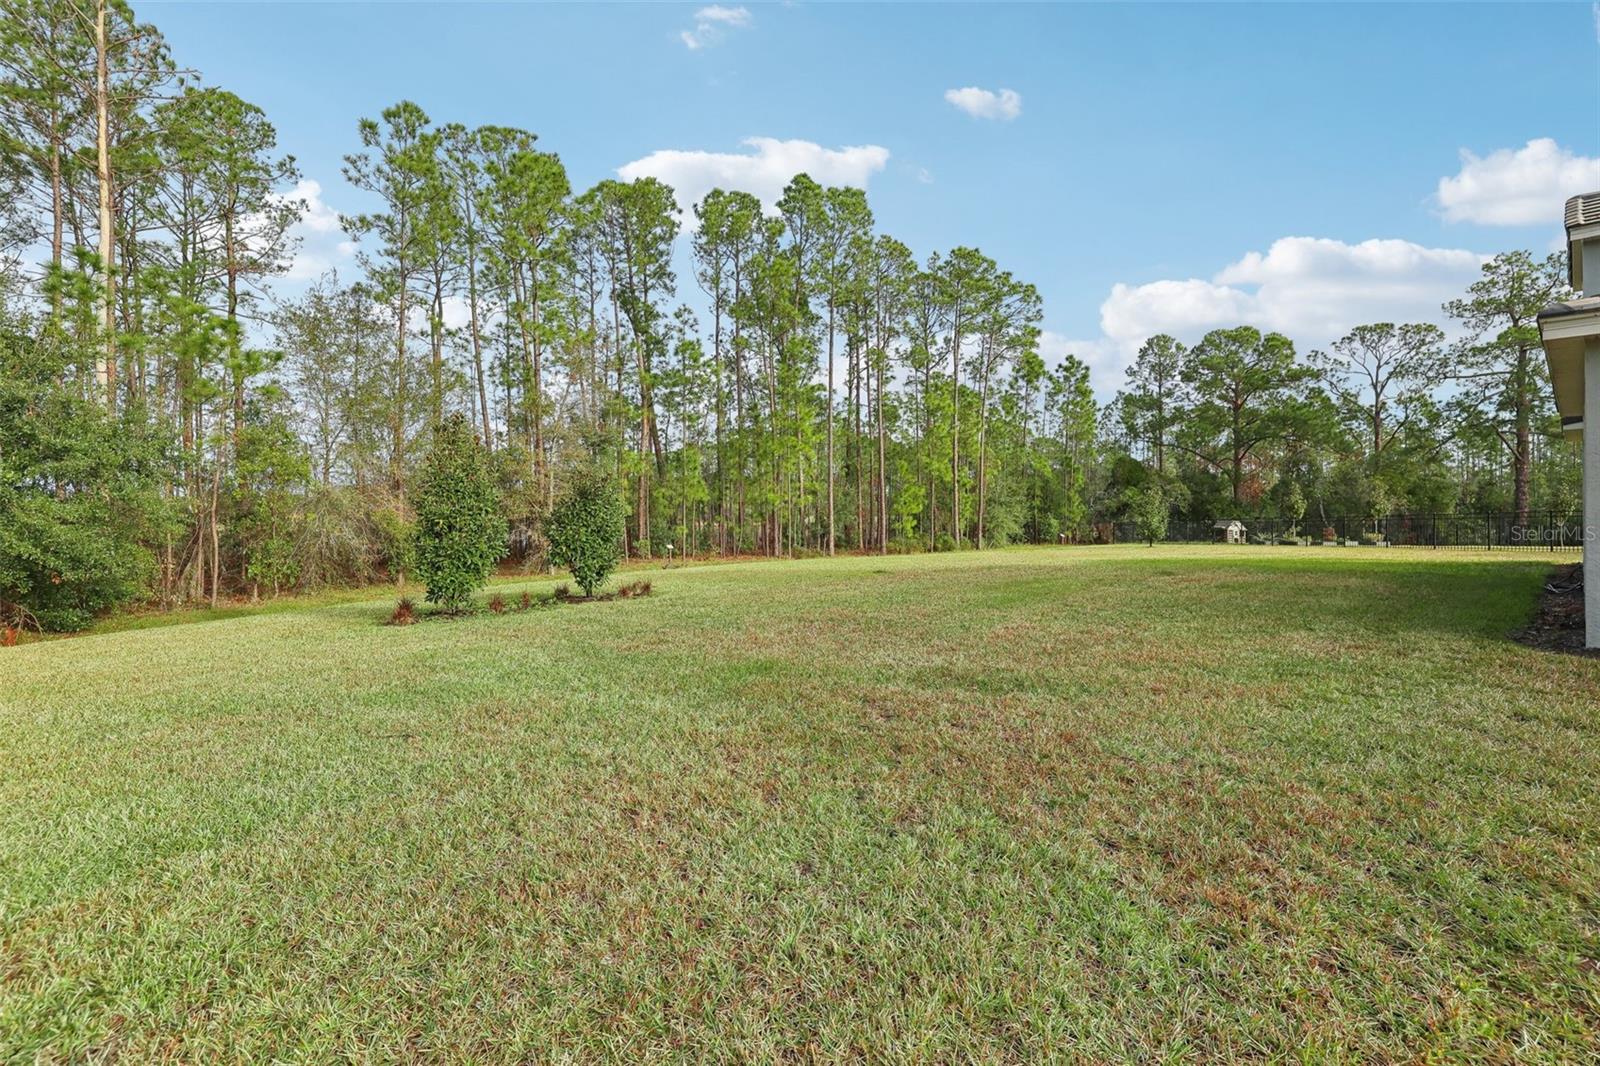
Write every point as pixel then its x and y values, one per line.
pixel 1229 531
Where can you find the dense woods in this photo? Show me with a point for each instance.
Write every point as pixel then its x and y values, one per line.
pixel 176 425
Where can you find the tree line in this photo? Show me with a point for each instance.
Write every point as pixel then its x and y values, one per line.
pixel 1388 418
pixel 176 429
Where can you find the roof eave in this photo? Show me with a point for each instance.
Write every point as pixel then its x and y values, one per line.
pixel 1566 331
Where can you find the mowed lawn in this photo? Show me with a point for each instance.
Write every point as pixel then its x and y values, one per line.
pixel 1091 803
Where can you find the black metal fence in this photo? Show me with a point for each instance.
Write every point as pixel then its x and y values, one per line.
pixel 1540 531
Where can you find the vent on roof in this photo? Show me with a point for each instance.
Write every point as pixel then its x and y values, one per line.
pixel 1583 216
pixel 1583 210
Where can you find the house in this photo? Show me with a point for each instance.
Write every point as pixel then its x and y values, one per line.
pixel 1570 333
pixel 1228 531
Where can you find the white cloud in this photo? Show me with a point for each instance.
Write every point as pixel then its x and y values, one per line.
pixel 318 216
pixel 1004 105
pixel 764 170
pixel 1101 356
pixel 711 25
pixel 321 243
pixel 1524 186
pixel 1314 290
pixel 457 312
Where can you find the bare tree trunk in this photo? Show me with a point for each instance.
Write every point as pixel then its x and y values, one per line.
pixel 830 426
pixel 436 339
pixel 883 472
pixel 722 475
pixel 233 318
pixel 398 415
pixel 106 367
pixel 56 220
pixel 955 430
pixel 472 325
pixel 216 546
pixel 860 390
pixel 1522 459
pixel 983 447
pixel 738 403
pixel 538 381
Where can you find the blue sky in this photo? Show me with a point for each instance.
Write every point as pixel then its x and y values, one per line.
pixel 1153 167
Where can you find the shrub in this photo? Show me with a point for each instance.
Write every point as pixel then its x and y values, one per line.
pixel 497 603
pixel 271 472
pixel 393 535
pixel 944 542
pixel 405 612
pixel 80 497
pixel 584 530
pixel 333 546
pixel 526 601
pixel 1289 541
pixel 1370 539
pixel 460 532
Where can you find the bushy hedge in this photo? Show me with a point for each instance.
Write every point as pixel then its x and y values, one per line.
pixel 460 531
pixel 585 529
pixel 79 492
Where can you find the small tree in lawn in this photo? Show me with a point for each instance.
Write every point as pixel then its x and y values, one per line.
pixel 585 529
pixel 460 530
pixel 1380 501
pixel 1148 508
pixel 1294 507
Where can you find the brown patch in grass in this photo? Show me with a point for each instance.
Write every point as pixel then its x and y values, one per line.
pixel 405 612
pixel 497 603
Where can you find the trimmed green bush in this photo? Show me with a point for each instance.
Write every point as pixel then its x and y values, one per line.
pixel 585 529
pixel 460 531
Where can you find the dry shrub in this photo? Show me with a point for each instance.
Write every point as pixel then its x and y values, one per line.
pixel 8 637
pixel 562 592
pixel 497 603
pixel 640 587
pixel 527 600
pixel 405 612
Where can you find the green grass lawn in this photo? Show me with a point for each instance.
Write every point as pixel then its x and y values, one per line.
pixel 1096 803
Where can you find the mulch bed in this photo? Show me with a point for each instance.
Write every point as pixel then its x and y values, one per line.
pixel 1558 623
